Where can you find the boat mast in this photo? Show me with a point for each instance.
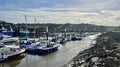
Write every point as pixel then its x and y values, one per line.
pixel 74 28
pixel 35 28
pixel 78 25
pixel 65 32
pixel 47 32
pixel 26 24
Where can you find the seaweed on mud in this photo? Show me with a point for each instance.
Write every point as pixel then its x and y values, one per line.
pixel 107 49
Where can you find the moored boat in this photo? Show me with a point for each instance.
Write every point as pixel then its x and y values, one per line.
pixel 47 47
pixel 63 40
pixel 28 43
pixel 5 31
pixel 44 47
pixel 76 37
pixel 7 39
pixel 10 52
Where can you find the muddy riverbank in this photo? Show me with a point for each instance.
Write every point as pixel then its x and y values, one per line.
pixel 105 53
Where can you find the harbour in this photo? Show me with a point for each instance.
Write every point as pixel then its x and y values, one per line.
pixel 58 58
pixel 59 33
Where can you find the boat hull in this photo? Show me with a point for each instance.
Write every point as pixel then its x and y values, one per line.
pixel 74 39
pixel 41 51
pixel 9 33
pixel 46 51
pixel 12 56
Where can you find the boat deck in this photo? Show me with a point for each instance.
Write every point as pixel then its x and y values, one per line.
pixel 9 52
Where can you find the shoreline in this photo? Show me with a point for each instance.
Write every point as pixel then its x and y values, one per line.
pixel 91 45
pixel 106 52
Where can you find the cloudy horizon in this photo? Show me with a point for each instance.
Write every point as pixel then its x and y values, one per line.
pixel 99 12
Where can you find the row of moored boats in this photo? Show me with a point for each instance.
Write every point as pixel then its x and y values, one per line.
pixel 33 46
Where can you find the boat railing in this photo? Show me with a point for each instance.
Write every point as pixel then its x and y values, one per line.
pixel 9 51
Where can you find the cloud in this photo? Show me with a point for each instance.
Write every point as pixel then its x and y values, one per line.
pixel 106 17
pixel 100 12
pixel 82 5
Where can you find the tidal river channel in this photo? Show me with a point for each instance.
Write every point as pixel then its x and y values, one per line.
pixel 59 58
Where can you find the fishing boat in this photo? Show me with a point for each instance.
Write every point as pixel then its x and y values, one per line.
pixel 8 32
pixel 5 31
pixel 10 52
pixel 28 42
pixel 47 47
pixel 6 35
pixel 44 47
pixel 24 32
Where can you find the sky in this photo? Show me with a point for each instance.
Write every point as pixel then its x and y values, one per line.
pixel 99 12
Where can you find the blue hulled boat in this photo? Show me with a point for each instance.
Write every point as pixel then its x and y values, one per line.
pixel 47 47
pixel 44 47
pixel 6 32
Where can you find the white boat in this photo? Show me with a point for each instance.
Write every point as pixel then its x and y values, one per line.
pixel 10 52
pixel 76 37
pixel 7 39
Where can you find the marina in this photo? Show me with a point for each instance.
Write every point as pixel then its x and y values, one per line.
pixel 61 57
pixel 59 33
pixel 40 46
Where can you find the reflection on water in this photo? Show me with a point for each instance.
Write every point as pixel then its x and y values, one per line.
pixel 56 59
pixel 13 62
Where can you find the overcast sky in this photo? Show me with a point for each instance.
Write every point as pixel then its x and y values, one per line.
pixel 100 12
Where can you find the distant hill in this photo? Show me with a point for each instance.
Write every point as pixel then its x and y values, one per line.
pixel 57 27
pixel 70 27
